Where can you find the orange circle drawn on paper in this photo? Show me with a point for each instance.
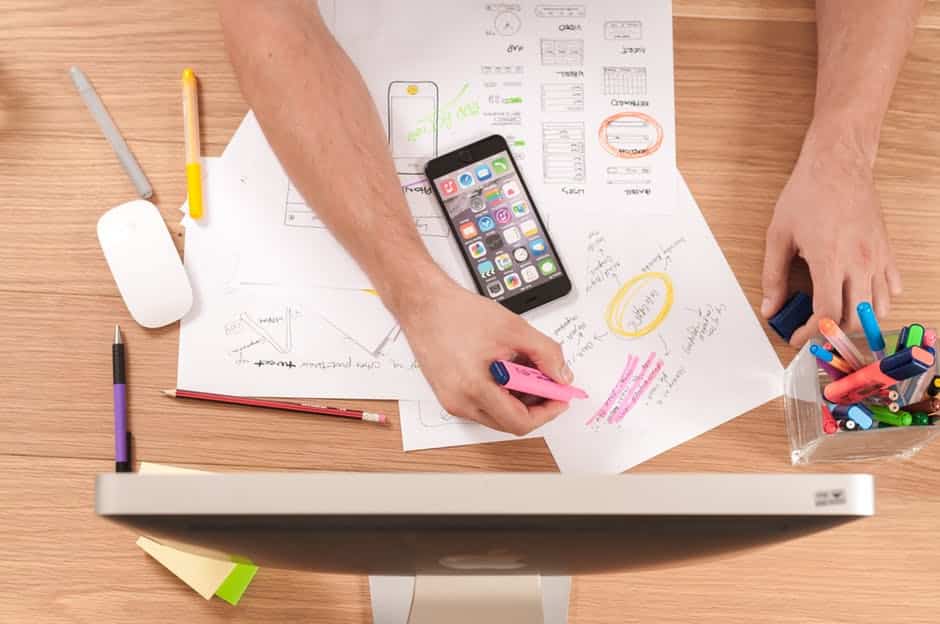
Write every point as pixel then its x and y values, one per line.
pixel 619 153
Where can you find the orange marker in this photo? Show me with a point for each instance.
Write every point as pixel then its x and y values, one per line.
pixel 841 342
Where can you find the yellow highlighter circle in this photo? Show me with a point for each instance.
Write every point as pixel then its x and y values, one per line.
pixel 618 306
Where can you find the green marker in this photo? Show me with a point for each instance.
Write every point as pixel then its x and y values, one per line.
pixel 883 415
pixel 915 336
pixel 920 419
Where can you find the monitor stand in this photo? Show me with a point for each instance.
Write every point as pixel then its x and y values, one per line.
pixel 468 598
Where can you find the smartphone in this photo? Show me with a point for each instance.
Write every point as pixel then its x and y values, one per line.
pixel 412 124
pixel 497 226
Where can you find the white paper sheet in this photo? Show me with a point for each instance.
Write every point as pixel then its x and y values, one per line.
pixel 426 425
pixel 265 341
pixel 275 218
pixel 662 339
pixel 582 92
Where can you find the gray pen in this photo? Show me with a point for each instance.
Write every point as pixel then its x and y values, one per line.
pixel 111 133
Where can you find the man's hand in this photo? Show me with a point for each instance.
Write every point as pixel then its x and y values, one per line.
pixel 829 214
pixel 456 334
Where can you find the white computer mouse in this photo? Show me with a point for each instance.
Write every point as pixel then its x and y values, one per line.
pixel 144 263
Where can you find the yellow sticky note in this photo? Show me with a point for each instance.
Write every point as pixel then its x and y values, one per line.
pixel 152 468
pixel 204 574
pixel 208 572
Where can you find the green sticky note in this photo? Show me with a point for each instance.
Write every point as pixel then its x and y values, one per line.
pixel 235 584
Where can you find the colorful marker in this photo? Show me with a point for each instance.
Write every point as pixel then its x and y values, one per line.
pixel 860 414
pixel 829 423
pixel 933 388
pixel 532 381
pixel 840 341
pixel 823 359
pixel 914 336
pixel 122 436
pixel 895 419
pixel 848 425
pixel 830 358
pixel 902 338
pixel 830 370
pixel 191 141
pixel 876 340
pixel 878 376
pixel 929 406
pixel 920 419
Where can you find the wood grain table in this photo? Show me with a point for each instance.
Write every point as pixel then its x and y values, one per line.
pixel 744 87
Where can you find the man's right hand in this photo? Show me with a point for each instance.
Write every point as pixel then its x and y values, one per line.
pixel 456 334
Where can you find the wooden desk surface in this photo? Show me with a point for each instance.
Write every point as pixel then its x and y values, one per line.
pixel 744 85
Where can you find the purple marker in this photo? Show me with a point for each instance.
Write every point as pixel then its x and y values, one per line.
pixel 122 437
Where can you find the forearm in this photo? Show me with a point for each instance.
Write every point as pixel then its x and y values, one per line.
pixel 319 118
pixel 861 47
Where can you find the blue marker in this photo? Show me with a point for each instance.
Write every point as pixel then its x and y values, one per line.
pixel 857 413
pixel 819 352
pixel 876 342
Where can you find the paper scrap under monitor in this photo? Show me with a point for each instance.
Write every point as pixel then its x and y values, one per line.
pixel 208 572
pixel 203 574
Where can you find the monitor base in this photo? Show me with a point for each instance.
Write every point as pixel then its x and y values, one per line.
pixel 460 599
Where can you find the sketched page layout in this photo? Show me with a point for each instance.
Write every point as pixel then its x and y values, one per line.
pixel 583 92
pixel 266 341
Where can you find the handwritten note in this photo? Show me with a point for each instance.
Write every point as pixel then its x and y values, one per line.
pixel 660 301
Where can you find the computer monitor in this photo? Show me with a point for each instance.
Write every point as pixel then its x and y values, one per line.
pixel 473 535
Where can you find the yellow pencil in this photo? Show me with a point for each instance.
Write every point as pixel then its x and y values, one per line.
pixel 191 134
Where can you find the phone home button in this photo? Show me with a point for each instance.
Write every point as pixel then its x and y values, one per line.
pixel 466 156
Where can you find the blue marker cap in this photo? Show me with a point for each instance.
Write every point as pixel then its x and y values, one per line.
pixel 792 315
pixel 857 413
pixel 907 363
pixel 876 342
pixel 499 373
pixel 819 352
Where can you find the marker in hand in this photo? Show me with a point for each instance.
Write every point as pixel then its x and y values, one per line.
pixel 532 381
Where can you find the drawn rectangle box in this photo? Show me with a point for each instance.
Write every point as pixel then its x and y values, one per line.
pixel 563 152
pixel 623 30
pixel 296 211
pixel 630 176
pixel 563 97
pixel 564 52
pixel 803 382
pixel 625 81
pixel 561 10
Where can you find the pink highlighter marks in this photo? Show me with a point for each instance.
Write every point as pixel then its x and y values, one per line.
pixel 532 381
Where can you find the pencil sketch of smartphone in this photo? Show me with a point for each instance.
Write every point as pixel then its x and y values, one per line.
pixel 412 124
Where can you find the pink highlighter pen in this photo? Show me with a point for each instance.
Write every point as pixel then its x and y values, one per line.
pixel 528 380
